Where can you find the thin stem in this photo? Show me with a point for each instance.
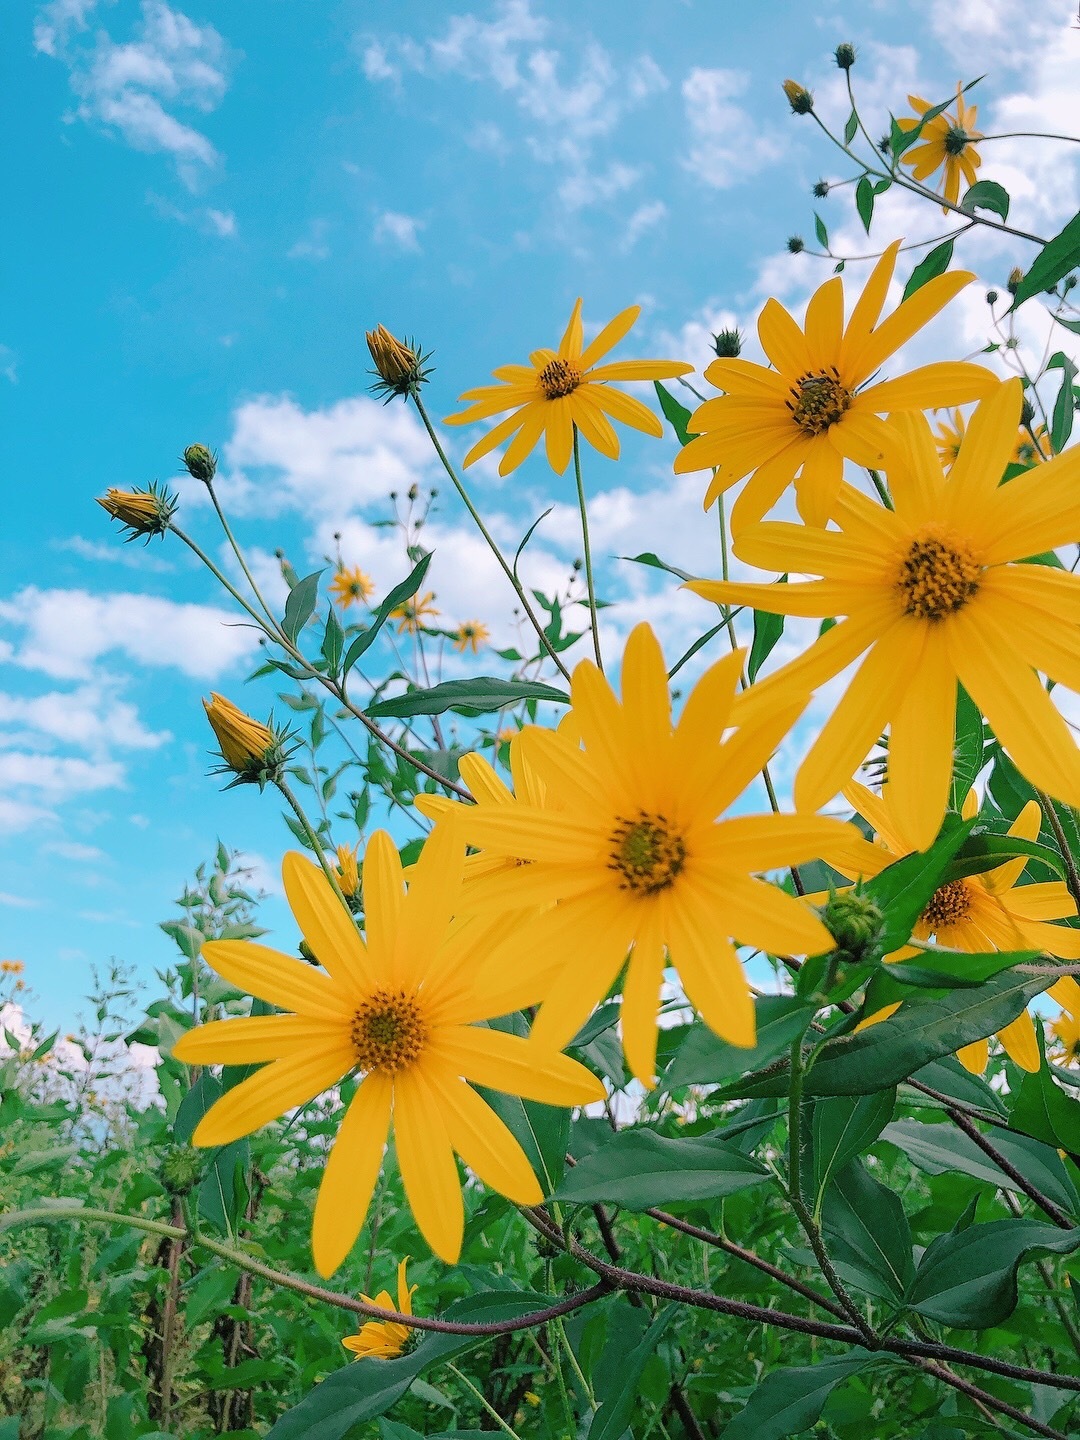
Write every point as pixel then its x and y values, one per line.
pixel 1054 820
pixel 1029 135
pixel 882 490
pixel 483 1401
pixel 593 620
pixel 492 545
pixel 1047 1276
pixel 560 1331
pixel 1045 1204
pixel 991 1402
pixel 220 578
pixel 313 840
pixel 240 558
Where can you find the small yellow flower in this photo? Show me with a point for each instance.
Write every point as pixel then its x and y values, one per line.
pixel 384 1340
pixel 398 365
pixel 531 1398
pixel 411 614
pixel 12 967
pixel 346 871
pixel 798 97
pixel 143 512
pixel 470 636
pixel 945 143
pixel 253 752
pixel 559 390
pixel 1066 1028
pixel 950 433
pixel 351 587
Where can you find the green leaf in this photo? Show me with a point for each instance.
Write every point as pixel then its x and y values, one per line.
pixel 868 1233
pixel 864 201
pixel 820 231
pixel 843 1127
pixel 617 1401
pixel 903 889
pixel 850 126
pixel 967 1279
pixel 968 748
pixel 480 696
pixel 300 606
pixel 1061 423
pixel 638 1168
pixel 938 1149
pixel 985 849
pixel 333 643
pixel 787 1402
pixel 1044 1111
pixel 677 416
pixel 1053 262
pixel 648 558
pixel 401 592
pixel 767 631
pixel 986 195
pixel 705 1059
pixel 949 1078
pixel 943 970
pixel 933 264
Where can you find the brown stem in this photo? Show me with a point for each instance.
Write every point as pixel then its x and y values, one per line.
pixel 991 1402
pixel 1045 1204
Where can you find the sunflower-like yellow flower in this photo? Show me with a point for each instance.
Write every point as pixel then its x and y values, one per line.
pixel 351 587
pixel 252 751
pixel 628 843
pixel 807 413
pixel 981 913
pixel 950 432
pixel 560 389
pixel 12 967
pixel 413 614
pixel 347 872
pixel 1066 1028
pixel 946 143
pixel 401 1008
pixel 470 635
pixel 385 1339
pixel 933 591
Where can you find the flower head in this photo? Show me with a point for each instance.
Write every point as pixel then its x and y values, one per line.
pixel 470 636
pixel 11 967
pixel 351 587
pixel 946 143
pixel 142 512
pixel 385 1339
pixel 412 614
pixel 200 462
pixel 403 1008
pixel 1028 450
pixel 798 97
pixel 1066 1028
pixel 626 839
pixel 399 366
pixel 561 389
pixel 252 751
pixel 845 55
pixel 346 871
pixel 934 592
pixel 815 407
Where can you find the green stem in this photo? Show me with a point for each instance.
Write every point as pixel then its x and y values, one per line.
pixel 43 1213
pixel 241 561
pixel 1067 856
pixel 483 1401
pixel 492 544
pixel 881 488
pixel 313 840
pixel 220 578
pixel 564 1341
pixel 588 553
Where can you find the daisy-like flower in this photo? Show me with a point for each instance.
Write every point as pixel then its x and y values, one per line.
pixel 402 1009
pixel 934 592
pixel 559 389
pixel 412 615
pixel 1066 1028
pixel 346 871
pixel 470 636
pixel 808 412
pixel 628 843
pixel 384 1339
pixel 981 913
pixel 351 587
pixel 950 432
pixel 946 143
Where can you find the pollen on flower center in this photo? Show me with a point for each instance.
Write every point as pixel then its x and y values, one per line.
pixel 559 378
pixel 818 401
pixel 938 576
pixel 646 853
pixel 388 1031
pixel 948 906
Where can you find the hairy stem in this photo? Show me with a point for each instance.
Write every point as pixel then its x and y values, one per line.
pixel 590 587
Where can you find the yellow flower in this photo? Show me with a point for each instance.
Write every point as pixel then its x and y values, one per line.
pixel 470 636
pixel 627 842
pixel 12 967
pixel 981 913
pixel 411 614
pixel 143 512
pixel 385 1340
pixel 1031 451
pixel 399 366
pixel 950 433
pixel 933 591
pixel 807 413
pixel 798 97
pixel 401 1008
pixel 345 871
pixel 560 389
pixel 253 752
pixel 946 142
pixel 1066 1028
pixel 351 587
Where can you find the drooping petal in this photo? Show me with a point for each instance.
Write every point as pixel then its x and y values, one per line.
pixel 559 434
pixel 818 483
pixel 496 435
pixel 1020 1044
pixel 974 1057
pixel 352 1169
pixel 594 425
pixel 524 442
pixel 485 1143
pixel 759 914
pixel 710 971
pixel 764 488
pixel 921 744
pixel 641 999
pixel 627 409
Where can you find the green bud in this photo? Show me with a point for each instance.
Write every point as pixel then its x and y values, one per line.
pixel 796 244
pixel 181 1168
pixel 1027 412
pixel 854 922
pixel 845 56
pixel 821 189
pixel 200 463
pixel 991 297
pixel 728 344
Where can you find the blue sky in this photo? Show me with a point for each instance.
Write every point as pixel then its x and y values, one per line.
pixel 219 199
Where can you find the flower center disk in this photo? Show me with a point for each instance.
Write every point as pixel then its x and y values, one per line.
pixel 558 379
pixel 955 140
pixel 818 401
pixel 646 853
pixel 938 576
pixel 388 1031
pixel 948 906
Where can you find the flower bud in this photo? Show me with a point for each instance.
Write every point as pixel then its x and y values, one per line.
pixel 181 1167
pixel 398 365
pixel 142 512
pixel 799 98
pixel 991 297
pixel 1013 282
pixel 845 56
pixel 346 872
pixel 254 753
pixel 1027 412
pixel 728 344
pixel 821 189
pixel 854 922
pixel 200 462
pixel 796 244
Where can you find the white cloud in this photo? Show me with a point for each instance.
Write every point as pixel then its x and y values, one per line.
pixel 56 777
pixel 9 364
pixel 90 717
pixel 313 245
pixel 135 557
pixel 580 188
pixel 17 902
pixel 132 88
pixel 645 218
pixel 727 143
pixel 78 854
pixel 397 231
pixel 221 222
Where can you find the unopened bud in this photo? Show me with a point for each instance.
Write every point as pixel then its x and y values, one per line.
pixel 728 344
pixel 799 98
pixel 254 753
pixel 200 462
pixel 346 872
pixel 991 297
pixel 1013 282
pixel 845 56
pixel 1027 412
pixel 181 1167
pixel 796 244
pixel 854 922
pixel 821 189
pixel 142 512
pixel 398 365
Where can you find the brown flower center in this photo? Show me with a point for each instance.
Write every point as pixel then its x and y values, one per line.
pixel 559 378
pixel 938 576
pixel 388 1031
pixel 646 853
pixel 948 906
pixel 818 401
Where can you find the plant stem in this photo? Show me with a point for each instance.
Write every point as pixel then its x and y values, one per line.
pixel 240 559
pixel 1068 1324
pixel 593 620
pixel 492 545
pixel 1054 820
pixel 991 1402
pixel 313 840
pixel 483 1401
pixel 879 486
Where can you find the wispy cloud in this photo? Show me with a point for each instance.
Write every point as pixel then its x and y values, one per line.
pixel 397 231
pixel 313 245
pixel 727 143
pixel 645 218
pixel 8 364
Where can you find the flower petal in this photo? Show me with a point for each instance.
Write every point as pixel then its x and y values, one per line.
pixel 326 925
pixel 280 979
pixel 253 1039
pixel 276 1088
pixel 352 1169
pixel 500 1061
pixel 783 342
pixel 710 972
pixel 570 344
pixel 428 1169
pixel 921 744
pixel 626 408
pixel 485 1143
pixel 614 331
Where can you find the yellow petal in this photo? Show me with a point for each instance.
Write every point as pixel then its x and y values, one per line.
pixel 921 744
pixel 559 433
pixel 908 318
pixel 428 1170
pixel 283 981
pixel 641 1000
pixel 486 1144
pixel 710 971
pixel 984 452
pixel 500 1061
pixel 1020 1044
pixel 352 1169
pixel 627 409
pixel 973 1057
pixel 614 331
pixel 434 895
pixel 326 925
pixel 783 342
pixel 280 1086
pixel 253 1039
pixel 570 344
